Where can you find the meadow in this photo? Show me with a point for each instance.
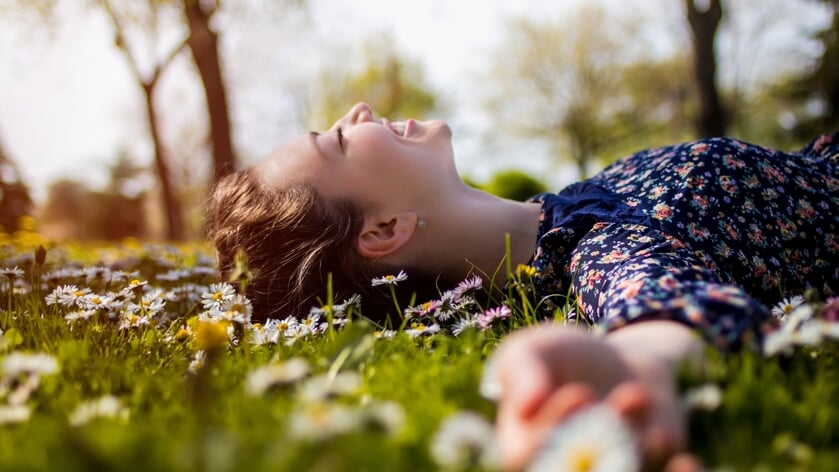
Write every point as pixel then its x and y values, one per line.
pixel 135 357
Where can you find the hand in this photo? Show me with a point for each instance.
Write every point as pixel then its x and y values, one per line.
pixel 548 373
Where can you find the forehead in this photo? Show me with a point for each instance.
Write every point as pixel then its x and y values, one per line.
pixel 297 161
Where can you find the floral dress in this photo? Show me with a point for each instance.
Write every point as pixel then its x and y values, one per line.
pixel 707 233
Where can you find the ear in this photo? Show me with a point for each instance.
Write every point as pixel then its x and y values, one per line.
pixel 383 236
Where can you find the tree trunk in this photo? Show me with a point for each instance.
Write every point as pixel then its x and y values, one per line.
pixel 203 42
pixel 171 202
pixel 712 120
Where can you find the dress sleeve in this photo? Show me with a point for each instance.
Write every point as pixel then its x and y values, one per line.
pixel 624 273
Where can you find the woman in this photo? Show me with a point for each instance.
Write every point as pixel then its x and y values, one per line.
pixel 683 238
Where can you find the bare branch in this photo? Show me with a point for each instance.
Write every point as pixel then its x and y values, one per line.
pixel 121 42
pixel 159 68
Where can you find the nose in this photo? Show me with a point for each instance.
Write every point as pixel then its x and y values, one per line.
pixel 360 113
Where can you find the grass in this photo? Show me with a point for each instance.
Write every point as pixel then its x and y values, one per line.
pixel 362 401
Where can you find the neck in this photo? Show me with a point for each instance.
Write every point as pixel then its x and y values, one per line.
pixel 469 235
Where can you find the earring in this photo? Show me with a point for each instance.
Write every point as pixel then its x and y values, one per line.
pixel 420 223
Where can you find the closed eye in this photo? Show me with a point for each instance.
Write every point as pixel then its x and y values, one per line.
pixel 341 138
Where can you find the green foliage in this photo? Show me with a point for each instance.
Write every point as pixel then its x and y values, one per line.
pixel 514 184
pixel 777 413
pixel 392 86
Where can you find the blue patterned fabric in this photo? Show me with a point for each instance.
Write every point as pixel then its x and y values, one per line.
pixel 708 233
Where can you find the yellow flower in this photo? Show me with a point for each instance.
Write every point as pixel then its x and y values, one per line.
pixel 211 336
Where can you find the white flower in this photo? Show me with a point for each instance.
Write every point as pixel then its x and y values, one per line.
pixel 217 294
pixel 197 362
pixel 323 387
pixel 786 306
pixel 12 273
pixel 419 329
pixel 92 301
pixel 264 377
pixel 464 439
pixel 461 325
pixel 490 386
pixel 79 315
pixel 18 363
pixel 594 439
pixel 704 397
pixel 237 309
pixel 14 414
pixel 487 318
pixel 130 320
pixel 384 334
pixel 390 279
pixel 323 420
pixel 65 295
pixel 387 416
pixel 467 287
pixel 107 406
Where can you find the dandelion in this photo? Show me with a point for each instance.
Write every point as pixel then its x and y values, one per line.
pixel 212 336
pixel 217 294
pixel 263 378
pixel 786 306
pixel 390 279
pixel 594 439
pixel 107 406
pixel 419 329
pixel 524 271
pixel 463 440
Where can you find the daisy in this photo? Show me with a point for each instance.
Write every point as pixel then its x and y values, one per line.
pixel 237 309
pixel 419 329
pixel 107 406
pixel 14 414
pixel 12 273
pixel 132 320
pixel 217 294
pixel 594 439
pixel 79 315
pixel 384 334
pixel 428 309
pixel 463 440
pixel 786 306
pixel 262 378
pixel 390 279
pixel 323 420
pixel 18 363
pixel 486 319
pixel 325 387
pixel 197 362
pixel 66 295
pixel 92 301
pixel 461 325
pixel 467 287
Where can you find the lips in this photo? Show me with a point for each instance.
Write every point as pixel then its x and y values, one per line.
pixel 401 128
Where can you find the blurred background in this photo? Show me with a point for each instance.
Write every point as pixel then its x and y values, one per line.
pixel 116 116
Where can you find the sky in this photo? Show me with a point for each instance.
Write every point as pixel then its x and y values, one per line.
pixel 69 105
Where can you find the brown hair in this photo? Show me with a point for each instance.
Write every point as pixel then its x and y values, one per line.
pixel 293 238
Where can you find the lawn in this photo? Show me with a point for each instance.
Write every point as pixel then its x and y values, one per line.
pixel 133 357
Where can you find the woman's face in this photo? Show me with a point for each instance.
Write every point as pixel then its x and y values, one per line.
pixel 372 162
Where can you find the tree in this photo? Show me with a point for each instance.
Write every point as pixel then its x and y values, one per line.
pixel 203 43
pixel 704 18
pixel 811 98
pixel 148 82
pixel 393 87
pixel 561 81
pixel 15 201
